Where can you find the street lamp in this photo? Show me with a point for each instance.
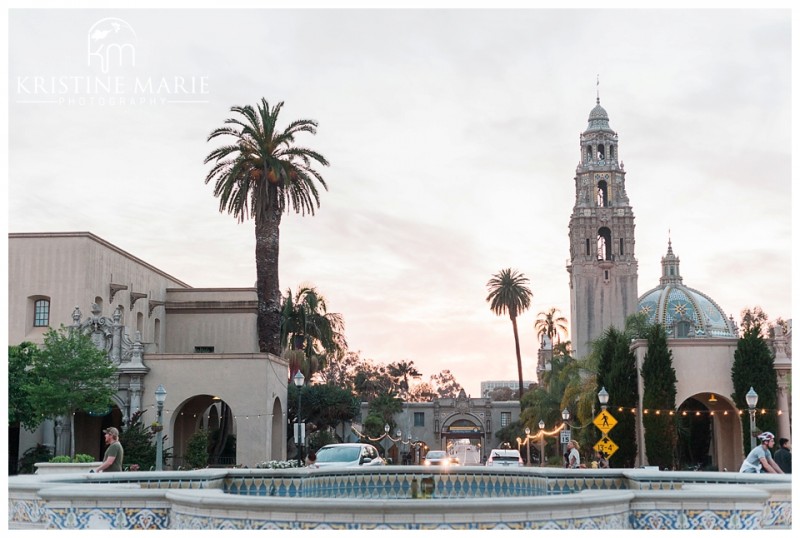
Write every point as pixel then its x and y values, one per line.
pixel 752 400
pixel 528 442
pixel 161 396
pixel 603 397
pixel 565 418
pixel 298 380
pixel 541 443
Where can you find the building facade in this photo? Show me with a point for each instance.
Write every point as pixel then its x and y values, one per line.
pixel 199 343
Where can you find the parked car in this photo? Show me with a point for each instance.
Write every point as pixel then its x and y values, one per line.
pixel 439 457
pixel 504 458
pixel 349 455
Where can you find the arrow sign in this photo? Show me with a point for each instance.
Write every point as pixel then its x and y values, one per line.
pixel 604 422
pixel 606 445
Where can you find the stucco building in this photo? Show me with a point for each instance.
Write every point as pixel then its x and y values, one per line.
pixel 200 343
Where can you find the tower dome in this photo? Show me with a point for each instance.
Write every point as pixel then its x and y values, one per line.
pixel 598 119
pixel 683 311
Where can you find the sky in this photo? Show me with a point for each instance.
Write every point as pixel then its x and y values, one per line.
pixel 452 137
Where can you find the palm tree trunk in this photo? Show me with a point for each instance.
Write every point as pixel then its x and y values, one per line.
pixel 268 320
pixel 519 356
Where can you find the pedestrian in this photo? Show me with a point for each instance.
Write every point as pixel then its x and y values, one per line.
pixel 566 458
pixel 783 456
pixel 602 462
pixel 574 455
pixel 759 460
pixel 112 460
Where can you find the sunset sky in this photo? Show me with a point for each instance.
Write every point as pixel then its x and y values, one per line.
pixel 452 136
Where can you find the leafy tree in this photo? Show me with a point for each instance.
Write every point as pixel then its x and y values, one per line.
pixel 551 324
pixel 139 443
pixel 32 456
pixel 261 173
pixel 660 391
pixel 324 406
pixel 20 363
pixel 421 392
pixel 509 292
pixel 754 366
pixel 371 381
pixel 445 384
pixel 70 374
pixel 197 450
pixel 616 371
pixel 502 394
pixel 309 332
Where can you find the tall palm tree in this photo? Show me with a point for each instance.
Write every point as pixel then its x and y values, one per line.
pixel 401 371
pixel 261 173
pixel 551 324
pixel 509 292
pixel 309 333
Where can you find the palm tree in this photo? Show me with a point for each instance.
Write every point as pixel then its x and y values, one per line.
pixel 551 324
pixel 508 292
pixel 260 174
pixel 401 371
pixel 309 333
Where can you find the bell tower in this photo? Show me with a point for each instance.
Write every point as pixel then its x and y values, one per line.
pixel 603 271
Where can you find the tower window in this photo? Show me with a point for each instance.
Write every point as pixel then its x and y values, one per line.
pixel 588 251
pixel 621 246
pixel 605 274
pixel 601 152
pixel 588 154
pixel 604 244
pixel 611 154
pixel 41 313
pixel 602 193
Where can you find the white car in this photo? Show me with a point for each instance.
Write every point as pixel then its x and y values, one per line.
pixel 500 457
pixel 348 455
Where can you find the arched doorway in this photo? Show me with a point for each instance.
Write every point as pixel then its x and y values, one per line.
pixel 204 412
pixel 464 438
pixel 709 433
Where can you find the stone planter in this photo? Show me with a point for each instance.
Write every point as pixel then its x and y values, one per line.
pixel 54 468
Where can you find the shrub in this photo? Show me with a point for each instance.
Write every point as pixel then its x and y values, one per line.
pixel 197 450
pixel 35 454
pixel 79 458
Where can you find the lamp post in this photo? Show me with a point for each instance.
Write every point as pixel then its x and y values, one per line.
pixel 298 380
pixel 752 400
pixel 161 396
pixel 541 443
pixel 528 443
pixel 603 397
pixel 565 418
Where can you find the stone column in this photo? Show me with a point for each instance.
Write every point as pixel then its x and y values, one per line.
pixel 783 367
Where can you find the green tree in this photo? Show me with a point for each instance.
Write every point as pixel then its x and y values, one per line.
pixel 616 371
pixel 324 406
pixel 309 333
pixel 70 374
pixel 20 409
pixel 754 366
pixel 660 382
pixel 552 324
pixel 197 450
pixel 261 173
pixel 509 292
pixel 445 384
pixel 138 441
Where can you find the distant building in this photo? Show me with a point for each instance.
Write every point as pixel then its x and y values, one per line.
pixel 488 386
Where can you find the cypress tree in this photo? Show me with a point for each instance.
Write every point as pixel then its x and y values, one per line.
pixel 617 373
pixel 659 394
pixel 754 366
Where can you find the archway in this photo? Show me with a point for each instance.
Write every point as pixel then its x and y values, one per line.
pixel 204 412
pixel 709 432
pixel 464 438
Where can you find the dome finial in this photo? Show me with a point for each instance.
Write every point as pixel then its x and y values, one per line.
pixel 598 88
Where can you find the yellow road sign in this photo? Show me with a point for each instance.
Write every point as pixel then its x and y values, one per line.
pixel 606 445
pixel 604 421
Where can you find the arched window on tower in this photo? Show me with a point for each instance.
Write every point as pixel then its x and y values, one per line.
pixel 602 194
pixel 588 156
pixel 604 244
pixel 612 153
pixel 682 329
pixel 601 152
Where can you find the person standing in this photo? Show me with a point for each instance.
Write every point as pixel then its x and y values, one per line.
pixel 783 456
pixel 759 460
pixel 574 455
pixel 112 460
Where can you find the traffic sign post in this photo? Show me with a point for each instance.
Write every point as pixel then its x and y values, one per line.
pixel 604 422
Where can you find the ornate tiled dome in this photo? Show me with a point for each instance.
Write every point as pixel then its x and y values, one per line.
pixel 684 312
pixel 598 119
